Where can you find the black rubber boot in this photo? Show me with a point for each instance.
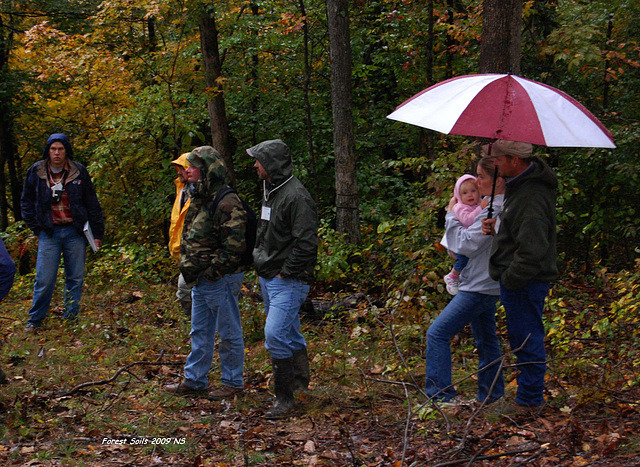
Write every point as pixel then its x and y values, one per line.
pixel 283 381
pixel 300 370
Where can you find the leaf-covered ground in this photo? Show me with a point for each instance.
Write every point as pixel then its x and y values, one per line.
pixel 91 393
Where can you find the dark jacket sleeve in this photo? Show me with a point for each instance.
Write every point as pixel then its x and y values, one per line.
pixel 28 201
pixel 304 228
pixel 7 271
pixel 94 210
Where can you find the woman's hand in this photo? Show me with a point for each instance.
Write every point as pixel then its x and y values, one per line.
pixel 452 203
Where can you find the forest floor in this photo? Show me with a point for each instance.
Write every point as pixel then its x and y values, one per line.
pixel 91 393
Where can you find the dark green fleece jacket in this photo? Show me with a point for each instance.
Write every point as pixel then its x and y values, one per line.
pixel 524 248
pixel 287 237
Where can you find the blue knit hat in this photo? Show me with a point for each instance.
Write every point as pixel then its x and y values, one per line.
pixel 61 138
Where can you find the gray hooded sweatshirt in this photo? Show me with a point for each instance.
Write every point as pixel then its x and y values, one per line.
pixel 472 243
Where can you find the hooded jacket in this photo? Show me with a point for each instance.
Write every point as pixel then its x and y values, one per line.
pixel 178 213
pixel 464 212
pixel 524 249
pixel 213 239
pixel 7 271
pixel 287 236
pixel 83 202
pixel 471 242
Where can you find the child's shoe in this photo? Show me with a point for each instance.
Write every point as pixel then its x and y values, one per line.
pixel 452 284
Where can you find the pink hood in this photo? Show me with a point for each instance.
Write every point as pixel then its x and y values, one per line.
pixel 459 182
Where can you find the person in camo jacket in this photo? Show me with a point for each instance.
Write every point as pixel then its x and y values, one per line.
pixel 213 242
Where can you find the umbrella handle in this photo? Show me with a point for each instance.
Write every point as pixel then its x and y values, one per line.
pixel 493 192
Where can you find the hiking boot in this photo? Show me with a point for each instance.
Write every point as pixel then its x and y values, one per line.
pixel 183 388
pixel 224 392
pixel 283 382
pixel 452 284
pixel 300 370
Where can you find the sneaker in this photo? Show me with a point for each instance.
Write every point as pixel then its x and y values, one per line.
pixel 183 388
pixel 225 392
pixel 452 284
pixel 31 328
pixel 457 401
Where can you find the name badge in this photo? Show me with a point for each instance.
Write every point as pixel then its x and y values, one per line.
pixel 266 213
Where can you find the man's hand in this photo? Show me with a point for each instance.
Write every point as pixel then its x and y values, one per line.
pixel 98 243
pixel 489 226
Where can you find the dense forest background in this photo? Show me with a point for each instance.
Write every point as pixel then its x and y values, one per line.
pixel 125 80
pixel 135 83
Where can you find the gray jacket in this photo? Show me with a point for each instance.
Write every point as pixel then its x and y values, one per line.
pixel 472 243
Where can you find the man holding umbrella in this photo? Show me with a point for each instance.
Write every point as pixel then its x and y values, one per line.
pixel 523 259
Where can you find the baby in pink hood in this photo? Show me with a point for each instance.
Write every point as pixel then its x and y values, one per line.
pixel 466 205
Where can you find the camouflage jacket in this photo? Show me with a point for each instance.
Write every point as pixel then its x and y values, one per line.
pixel 212 241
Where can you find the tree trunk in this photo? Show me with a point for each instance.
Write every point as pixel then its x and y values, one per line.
pixel 426 137
pixel 307 103
pixel 501 37
pixel 347 207
pixel 8 145
pixel 220 133
pixel 10 186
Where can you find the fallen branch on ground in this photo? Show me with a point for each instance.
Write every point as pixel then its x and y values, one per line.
pixel 115 376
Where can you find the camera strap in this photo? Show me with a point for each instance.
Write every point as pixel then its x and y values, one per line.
pixel 62 180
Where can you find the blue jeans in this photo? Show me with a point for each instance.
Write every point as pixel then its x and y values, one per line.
pixel 72 246
pixel 282 301
pixel 460 262
pixel 215 309
pixel 476 309
pixel 523 308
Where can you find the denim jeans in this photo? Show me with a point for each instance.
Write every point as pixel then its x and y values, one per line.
pixel 476 309
pixel 523 308
pixel 282 301
pixel 460 262
pixel 215 309
pixel 72 246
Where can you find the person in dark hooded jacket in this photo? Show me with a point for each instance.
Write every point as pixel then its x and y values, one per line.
pixel 57 200
pixel 213 241
pixel 7 273
pixel 284 256
pixel 523 260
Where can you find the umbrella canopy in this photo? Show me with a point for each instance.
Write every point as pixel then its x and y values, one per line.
pixel 504 107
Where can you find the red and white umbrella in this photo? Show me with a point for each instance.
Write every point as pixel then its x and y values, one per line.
pixel 504 107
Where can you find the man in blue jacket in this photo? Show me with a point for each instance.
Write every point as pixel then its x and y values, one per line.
pixel 58 198
pixel 7 273
pixel 284 256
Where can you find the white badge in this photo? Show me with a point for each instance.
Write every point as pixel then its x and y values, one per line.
pixel 266 213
